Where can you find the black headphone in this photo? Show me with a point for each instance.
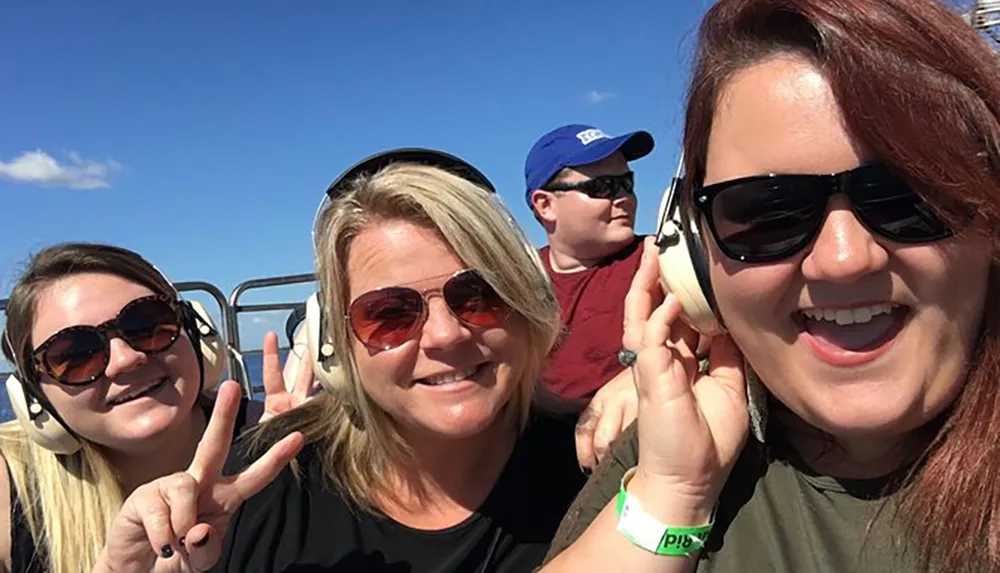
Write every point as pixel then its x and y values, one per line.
pixel 326 366
pixel 43 425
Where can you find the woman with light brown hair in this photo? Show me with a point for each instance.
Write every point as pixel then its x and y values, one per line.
pixel 836 233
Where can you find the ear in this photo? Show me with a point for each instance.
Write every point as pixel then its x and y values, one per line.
pixel 543 204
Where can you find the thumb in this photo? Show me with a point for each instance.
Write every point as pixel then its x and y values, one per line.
pixel 203 543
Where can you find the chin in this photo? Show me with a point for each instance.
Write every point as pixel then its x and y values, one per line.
pixel 459 423
pixel 854 414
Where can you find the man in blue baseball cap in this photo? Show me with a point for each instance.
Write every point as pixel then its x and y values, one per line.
pixel 581 189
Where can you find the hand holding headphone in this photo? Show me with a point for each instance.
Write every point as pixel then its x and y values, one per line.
pixel 684 270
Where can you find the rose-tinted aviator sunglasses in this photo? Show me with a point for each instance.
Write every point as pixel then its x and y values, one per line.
pixel 771 217
pixel 80 354
pixel 387 317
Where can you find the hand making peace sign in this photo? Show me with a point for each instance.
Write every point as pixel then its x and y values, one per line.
pixel 176 523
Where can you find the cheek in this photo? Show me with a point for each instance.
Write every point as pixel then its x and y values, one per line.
pixel 74 404
pixel 380 372
pixel 182 363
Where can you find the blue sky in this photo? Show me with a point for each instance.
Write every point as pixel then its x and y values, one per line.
pixel 203 134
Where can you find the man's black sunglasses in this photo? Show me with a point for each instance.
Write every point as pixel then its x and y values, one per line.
pixel 603 187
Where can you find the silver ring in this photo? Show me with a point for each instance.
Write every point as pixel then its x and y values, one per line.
pixel 627 357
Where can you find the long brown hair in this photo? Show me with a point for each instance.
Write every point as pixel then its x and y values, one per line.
pixel 919 87
pixel 70 501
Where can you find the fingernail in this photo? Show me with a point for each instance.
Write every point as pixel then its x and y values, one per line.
pixel 166 552
pixel 201 542
pixel 182 542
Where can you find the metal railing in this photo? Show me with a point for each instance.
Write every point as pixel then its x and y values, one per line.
pixel 237 307
pixel 984 15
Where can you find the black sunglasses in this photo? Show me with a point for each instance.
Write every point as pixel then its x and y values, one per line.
pixel 602 187
pixel 80 354
pixel 771 217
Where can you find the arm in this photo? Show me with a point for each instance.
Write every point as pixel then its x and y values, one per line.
pixel 610 412
pixel 6 531
pixel 691 427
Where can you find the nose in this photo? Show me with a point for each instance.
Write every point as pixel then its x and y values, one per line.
pixel 442 329
pixel 123 359
pixel 844 250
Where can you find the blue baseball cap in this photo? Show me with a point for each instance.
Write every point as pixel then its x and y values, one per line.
pixel 573 145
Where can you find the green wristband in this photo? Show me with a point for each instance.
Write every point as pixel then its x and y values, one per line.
pixel 648 533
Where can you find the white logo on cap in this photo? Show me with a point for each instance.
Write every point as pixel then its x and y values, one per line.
pixel 588 136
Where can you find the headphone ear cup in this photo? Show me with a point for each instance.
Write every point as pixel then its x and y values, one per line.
pixel 38 423
pixel 325 364
pixel 678 273
pixel 211 346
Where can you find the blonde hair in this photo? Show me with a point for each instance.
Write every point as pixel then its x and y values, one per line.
pixel 360 446
pixel 69 501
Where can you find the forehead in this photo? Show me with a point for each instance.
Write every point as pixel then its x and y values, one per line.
pixel 398 253
pixel 779 116
pixel 82 299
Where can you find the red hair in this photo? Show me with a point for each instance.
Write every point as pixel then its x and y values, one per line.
pixel 922 89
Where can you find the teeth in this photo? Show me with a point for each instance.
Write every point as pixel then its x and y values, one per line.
pixel 845 316
pixel 449 378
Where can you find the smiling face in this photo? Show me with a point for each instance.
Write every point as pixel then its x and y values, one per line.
pixel 140 397
pixel 450 380
pixel 858 335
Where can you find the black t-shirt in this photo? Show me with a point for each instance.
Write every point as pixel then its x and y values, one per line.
pixel 306 526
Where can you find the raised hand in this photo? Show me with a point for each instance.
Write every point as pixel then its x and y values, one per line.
pixel 610 411
pixel 277 397
pixel 692 425
pixel 176 523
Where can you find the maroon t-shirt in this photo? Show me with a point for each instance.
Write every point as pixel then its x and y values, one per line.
pixel 593 309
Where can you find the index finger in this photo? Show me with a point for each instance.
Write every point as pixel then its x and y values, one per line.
pixel 267 467
pixel 644 295
pixel 214 445
pixel 274 379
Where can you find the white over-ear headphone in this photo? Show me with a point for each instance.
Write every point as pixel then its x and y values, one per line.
pixel 326 366
pixel 685 272
pixel 45 427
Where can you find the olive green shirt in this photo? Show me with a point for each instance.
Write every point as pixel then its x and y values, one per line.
pixel 773 516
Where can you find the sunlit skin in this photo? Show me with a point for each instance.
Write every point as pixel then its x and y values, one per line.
pixel 584 229
pixel 400 253
pixel 780 117
pixel 144 425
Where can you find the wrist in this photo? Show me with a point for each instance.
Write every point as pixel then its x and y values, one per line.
pixel 669 503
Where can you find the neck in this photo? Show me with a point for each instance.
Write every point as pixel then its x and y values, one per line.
pixel 853 457
pixel 564 259
pixel 449 475
pixel 172 452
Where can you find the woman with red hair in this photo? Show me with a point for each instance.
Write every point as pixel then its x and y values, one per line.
pixel 842 204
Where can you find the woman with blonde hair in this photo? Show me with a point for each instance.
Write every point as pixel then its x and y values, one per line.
pixel 429 452
pixel 115 377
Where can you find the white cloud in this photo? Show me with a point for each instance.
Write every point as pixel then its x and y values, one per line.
pixel 40 168
pixel 596 97
pixel 259 320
